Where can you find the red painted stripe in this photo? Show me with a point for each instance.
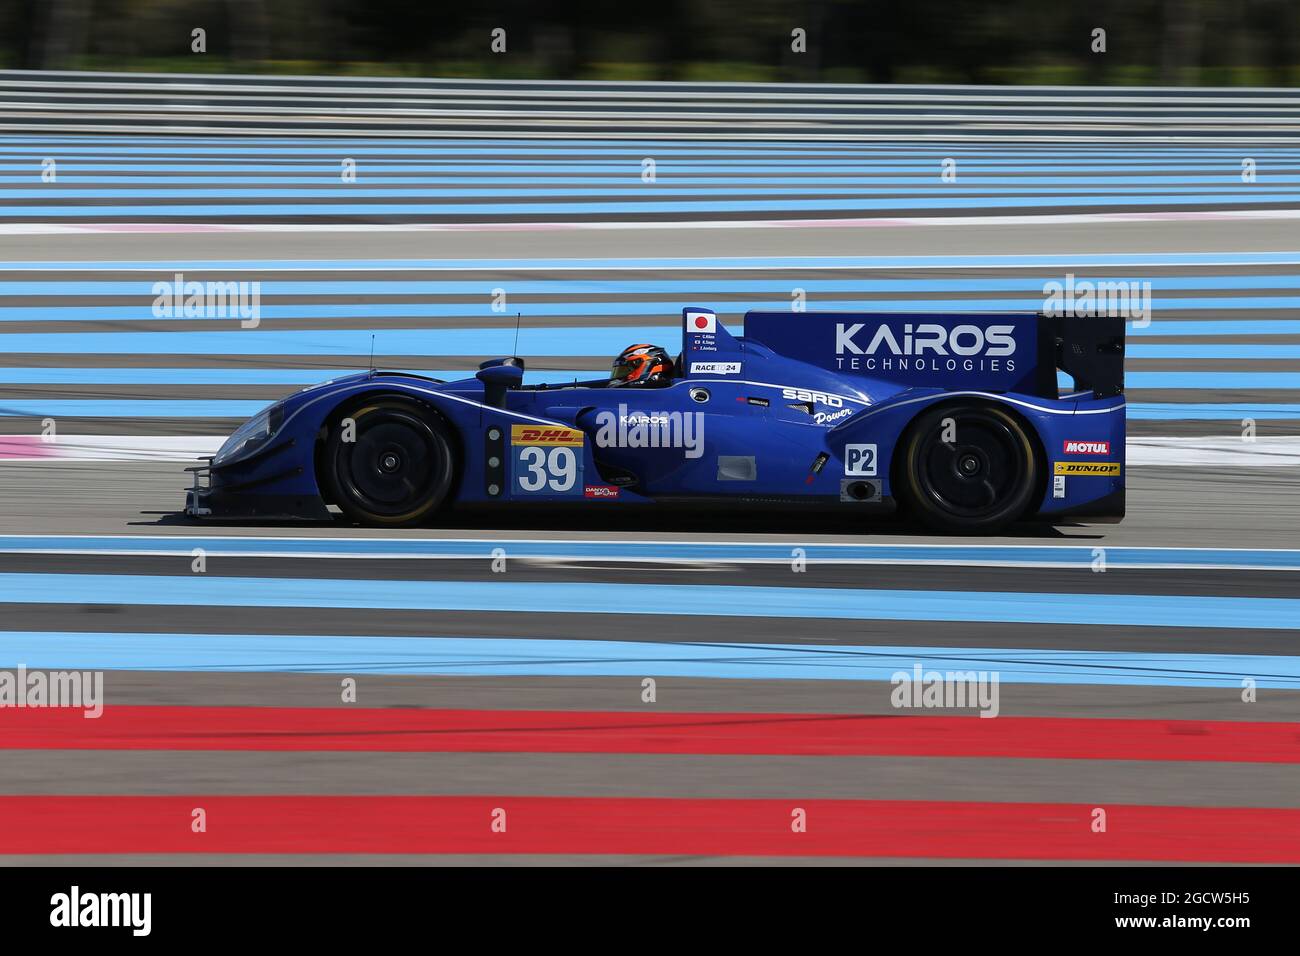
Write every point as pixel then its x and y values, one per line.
pixel 49 825
pixel 27 446
pixel 500 731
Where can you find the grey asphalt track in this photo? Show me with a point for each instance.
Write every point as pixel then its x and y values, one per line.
pixel 698 776
pixel 676 695
pixel 1117 234
pixel 1167 507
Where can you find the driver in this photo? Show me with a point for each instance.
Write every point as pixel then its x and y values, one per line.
pixel 641 366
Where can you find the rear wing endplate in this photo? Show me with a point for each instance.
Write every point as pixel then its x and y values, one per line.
pixel 1089 348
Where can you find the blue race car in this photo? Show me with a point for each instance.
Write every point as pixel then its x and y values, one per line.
pixel 956 419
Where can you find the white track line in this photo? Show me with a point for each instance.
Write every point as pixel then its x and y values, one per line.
pixel 162 228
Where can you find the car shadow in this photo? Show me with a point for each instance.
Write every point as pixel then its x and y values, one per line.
pixel 645 520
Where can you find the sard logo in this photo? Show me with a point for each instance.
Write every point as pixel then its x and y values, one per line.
pixel 804 395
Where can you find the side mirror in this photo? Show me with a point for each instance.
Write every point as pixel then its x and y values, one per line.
pixel 497 380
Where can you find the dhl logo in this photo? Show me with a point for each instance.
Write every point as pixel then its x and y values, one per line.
pixel 1087 468
pixel 544 435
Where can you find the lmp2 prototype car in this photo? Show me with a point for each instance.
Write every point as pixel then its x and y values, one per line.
pixel 956 419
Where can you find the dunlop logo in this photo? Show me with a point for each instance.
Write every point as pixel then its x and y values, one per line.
pixel 544 435
pixel 1087 468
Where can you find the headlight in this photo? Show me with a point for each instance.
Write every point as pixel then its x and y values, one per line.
pixel 250 436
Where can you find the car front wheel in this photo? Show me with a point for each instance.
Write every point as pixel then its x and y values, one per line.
pixel 389 462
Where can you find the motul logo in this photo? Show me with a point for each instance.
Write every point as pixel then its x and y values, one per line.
pixel 1087 448
pixel 541 435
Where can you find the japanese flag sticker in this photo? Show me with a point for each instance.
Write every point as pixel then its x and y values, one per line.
pixel 702 321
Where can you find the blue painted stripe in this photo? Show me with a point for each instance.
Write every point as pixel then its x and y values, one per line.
pixel 77 181
pixel 510 148
pixel 1172 167
pixel 905 192
pixel 129 408
pixel 1160 305
pixel 509 145
pixel 299 376
pixel 1223 411
pixel 533 342
pixel 775 142
pixel 1217 350
pixel 467 656
pixel 180 376
pixel 237 376
pixel 1067 555
pixel 1202 380
pixel 250 150
pixel 1223 102
pixel 648 206
pixel 475 342
pixel 1133 610
pixel 144 287
pixel 40 407
pixel 721 146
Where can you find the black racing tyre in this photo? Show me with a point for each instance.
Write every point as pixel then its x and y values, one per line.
pixel 980 481
pixel 397 469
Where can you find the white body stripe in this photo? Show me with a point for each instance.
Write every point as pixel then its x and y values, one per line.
pixel 1000 398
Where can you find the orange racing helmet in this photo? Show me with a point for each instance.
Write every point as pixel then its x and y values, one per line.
pixel 641 365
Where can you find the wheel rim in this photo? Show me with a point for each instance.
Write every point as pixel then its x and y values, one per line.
pixel 978 472
pixel 394 466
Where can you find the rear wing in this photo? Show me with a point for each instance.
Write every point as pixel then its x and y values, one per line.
pixel 987 351
pixel 1088 348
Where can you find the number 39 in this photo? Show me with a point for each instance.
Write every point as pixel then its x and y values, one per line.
pixel 555 471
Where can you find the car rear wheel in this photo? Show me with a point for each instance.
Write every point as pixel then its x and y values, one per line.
pixel 968 469
pixel 389 462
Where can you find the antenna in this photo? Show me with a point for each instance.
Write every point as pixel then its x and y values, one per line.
pixel 519 318
pixel 372 354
